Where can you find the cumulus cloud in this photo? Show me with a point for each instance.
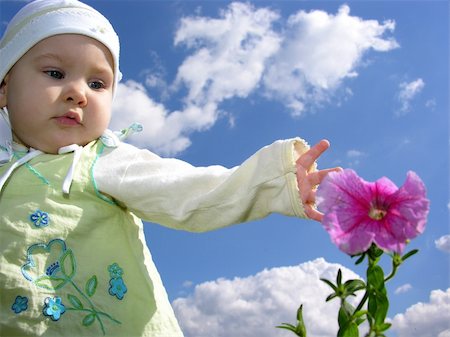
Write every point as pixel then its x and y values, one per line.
pixel 253 306
pixel 403 289
pixel 407 92
pixel 163 131
pixel 229 53
pixel 443 243
pixel 431 319
pixel 301 62
pixel 319 51
pixel 227 60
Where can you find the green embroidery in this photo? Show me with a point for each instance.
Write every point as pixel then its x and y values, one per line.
pixel 33 170
pixel 91 286
pixel 94 183
pixel 58 271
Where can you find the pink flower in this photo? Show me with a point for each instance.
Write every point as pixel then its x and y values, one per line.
pixel 358 213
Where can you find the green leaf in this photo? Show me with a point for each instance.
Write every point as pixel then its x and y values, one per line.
pixel 89 319
pixel 91 286
pixel 300 313
pixel 374 252
pixel 345 313
pixel 360 316
pixel 300 329
pixel 409 254
pixel 330 297
pixel 287 326
pixel 75 301
pixel 384 327
pixel 292 328
pixel 329 283
pixel 350 330
pixel 378 305
pixel 352 286
pixel 50 282
pixel 339 278
pixel 360 259
pixel 375 277
pixel 68 264
pixel 382 308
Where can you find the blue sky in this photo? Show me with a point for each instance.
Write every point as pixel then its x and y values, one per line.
pixel 214 81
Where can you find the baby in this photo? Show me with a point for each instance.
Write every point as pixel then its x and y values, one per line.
pixel 73 257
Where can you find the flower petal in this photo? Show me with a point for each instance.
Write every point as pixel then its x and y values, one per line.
pixel 351 242
pixel 343 190
pixel 410 200
pixel 349 204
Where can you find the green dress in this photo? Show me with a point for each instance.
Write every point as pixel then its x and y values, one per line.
pixel 74 264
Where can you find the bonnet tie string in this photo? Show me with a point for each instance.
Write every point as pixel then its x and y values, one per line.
pixel 30 155
pixel 76 149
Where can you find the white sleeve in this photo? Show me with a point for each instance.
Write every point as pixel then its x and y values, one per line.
pixel 176 194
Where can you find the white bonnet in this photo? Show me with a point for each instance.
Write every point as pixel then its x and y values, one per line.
pixel 39 20
pixel 44 18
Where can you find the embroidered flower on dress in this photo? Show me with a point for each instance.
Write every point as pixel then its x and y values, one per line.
pixel 49 266
pixel 52 266
pixel 117 288
pixel 20 304
pixel 115 271
pixel 40 218
pixel 54 308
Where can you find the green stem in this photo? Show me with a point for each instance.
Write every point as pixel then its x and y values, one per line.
pixel 363 301
pixel 393 272
pixel 91 304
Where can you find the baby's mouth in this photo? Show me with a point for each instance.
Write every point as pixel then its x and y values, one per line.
pixel 69 119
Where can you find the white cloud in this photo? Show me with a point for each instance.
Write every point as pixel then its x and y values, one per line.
pixel 443 243
pixel 163 132
pixel 301 62
pixel 431 319
pixel 403 289
pixel 319 51
pixel 354 157
pixel 408 90
pixel 253 306
pixel 188 284
pixel 228 59
pixel 229 53
pixel 354 153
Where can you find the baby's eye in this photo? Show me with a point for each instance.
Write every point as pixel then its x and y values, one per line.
pixel 96 85
pixel 55 74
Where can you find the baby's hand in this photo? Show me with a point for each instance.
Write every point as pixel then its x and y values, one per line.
pixel 308 181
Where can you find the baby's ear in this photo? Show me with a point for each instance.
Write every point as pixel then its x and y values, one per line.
pixel 3 89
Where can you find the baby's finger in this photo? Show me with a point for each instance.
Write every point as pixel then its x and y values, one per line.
pixel 308 158
pixel 312 213
pixel 315 178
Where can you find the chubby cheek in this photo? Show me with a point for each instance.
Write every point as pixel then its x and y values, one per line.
pixel 99 121
pixel 20 125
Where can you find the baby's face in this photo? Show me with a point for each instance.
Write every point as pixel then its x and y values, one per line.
pixel 60 93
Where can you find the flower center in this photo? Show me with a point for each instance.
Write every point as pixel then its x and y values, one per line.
pixel 376 213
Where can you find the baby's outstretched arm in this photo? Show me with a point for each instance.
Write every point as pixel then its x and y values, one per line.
pixel 308 179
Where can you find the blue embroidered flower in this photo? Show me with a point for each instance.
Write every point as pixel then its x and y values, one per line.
pixel 115 271
pixel 54 308
pixel 20 304
pixel 117 288
pixel 40 218
pixel 49 266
